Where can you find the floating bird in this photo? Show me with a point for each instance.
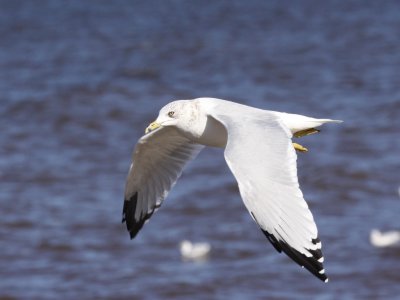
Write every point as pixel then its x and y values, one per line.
pixel 194 251
pixel 259 152
pixel 384 239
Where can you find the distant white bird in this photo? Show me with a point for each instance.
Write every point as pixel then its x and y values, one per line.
pixel 194 251
pixel 384 239
pixel 258 150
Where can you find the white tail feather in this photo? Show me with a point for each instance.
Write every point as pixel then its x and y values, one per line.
pixel 298 122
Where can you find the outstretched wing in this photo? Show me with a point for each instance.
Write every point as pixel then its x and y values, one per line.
pixel 158 161
pixel 261 156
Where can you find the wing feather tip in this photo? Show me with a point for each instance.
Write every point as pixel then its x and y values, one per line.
pixel 133 233
pixel 128 216
pixel 312 264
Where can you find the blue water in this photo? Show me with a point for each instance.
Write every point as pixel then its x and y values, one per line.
pixel 81 80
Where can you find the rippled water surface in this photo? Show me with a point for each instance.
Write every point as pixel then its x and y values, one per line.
pixel 81 80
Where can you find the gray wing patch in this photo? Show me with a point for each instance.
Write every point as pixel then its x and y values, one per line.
pixel 158 161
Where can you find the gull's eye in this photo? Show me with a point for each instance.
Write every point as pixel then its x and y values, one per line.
pixel 171 114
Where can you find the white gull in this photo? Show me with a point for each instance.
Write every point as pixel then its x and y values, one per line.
pixel 194 251
pixel 259 152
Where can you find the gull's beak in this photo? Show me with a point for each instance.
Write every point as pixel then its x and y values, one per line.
pixel 152 126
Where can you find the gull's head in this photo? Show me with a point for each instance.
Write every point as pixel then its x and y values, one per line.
pixel 177 113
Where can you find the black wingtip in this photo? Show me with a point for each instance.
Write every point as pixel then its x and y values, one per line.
pixel 273 241
pixel 128 215
pixel 133 233
pixel 312 264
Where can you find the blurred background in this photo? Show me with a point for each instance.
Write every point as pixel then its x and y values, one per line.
pixel 81 80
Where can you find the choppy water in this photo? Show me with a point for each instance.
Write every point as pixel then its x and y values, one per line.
pixel 80 81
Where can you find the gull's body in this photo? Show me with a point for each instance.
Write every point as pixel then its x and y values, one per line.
pixel 260 154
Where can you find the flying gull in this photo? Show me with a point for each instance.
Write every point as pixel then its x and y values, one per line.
pixel 259 152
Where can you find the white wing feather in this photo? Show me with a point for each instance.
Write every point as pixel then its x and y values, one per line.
pixel 158 161
pixel 261 156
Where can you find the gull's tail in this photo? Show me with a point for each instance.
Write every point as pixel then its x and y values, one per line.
pixel 299 123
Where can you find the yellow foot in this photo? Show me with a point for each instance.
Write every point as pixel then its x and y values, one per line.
pixel 305 132
pixel 299 147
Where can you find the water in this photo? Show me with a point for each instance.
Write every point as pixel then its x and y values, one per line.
pixel 80 81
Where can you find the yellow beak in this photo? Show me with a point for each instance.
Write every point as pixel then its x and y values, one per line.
pixel 152 126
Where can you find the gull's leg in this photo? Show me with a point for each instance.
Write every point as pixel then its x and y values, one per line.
pixel 305 132
pixel 299 147
pixel 301 133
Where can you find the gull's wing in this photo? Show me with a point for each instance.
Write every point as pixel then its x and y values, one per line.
pixel 261 156
pixel 158 161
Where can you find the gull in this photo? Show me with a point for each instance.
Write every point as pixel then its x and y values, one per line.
pixel 381 239
pixel 194 251
pixel 258 150
pixel 384 239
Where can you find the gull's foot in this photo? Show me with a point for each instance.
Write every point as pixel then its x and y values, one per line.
pixel 305 132
pixel 299 147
